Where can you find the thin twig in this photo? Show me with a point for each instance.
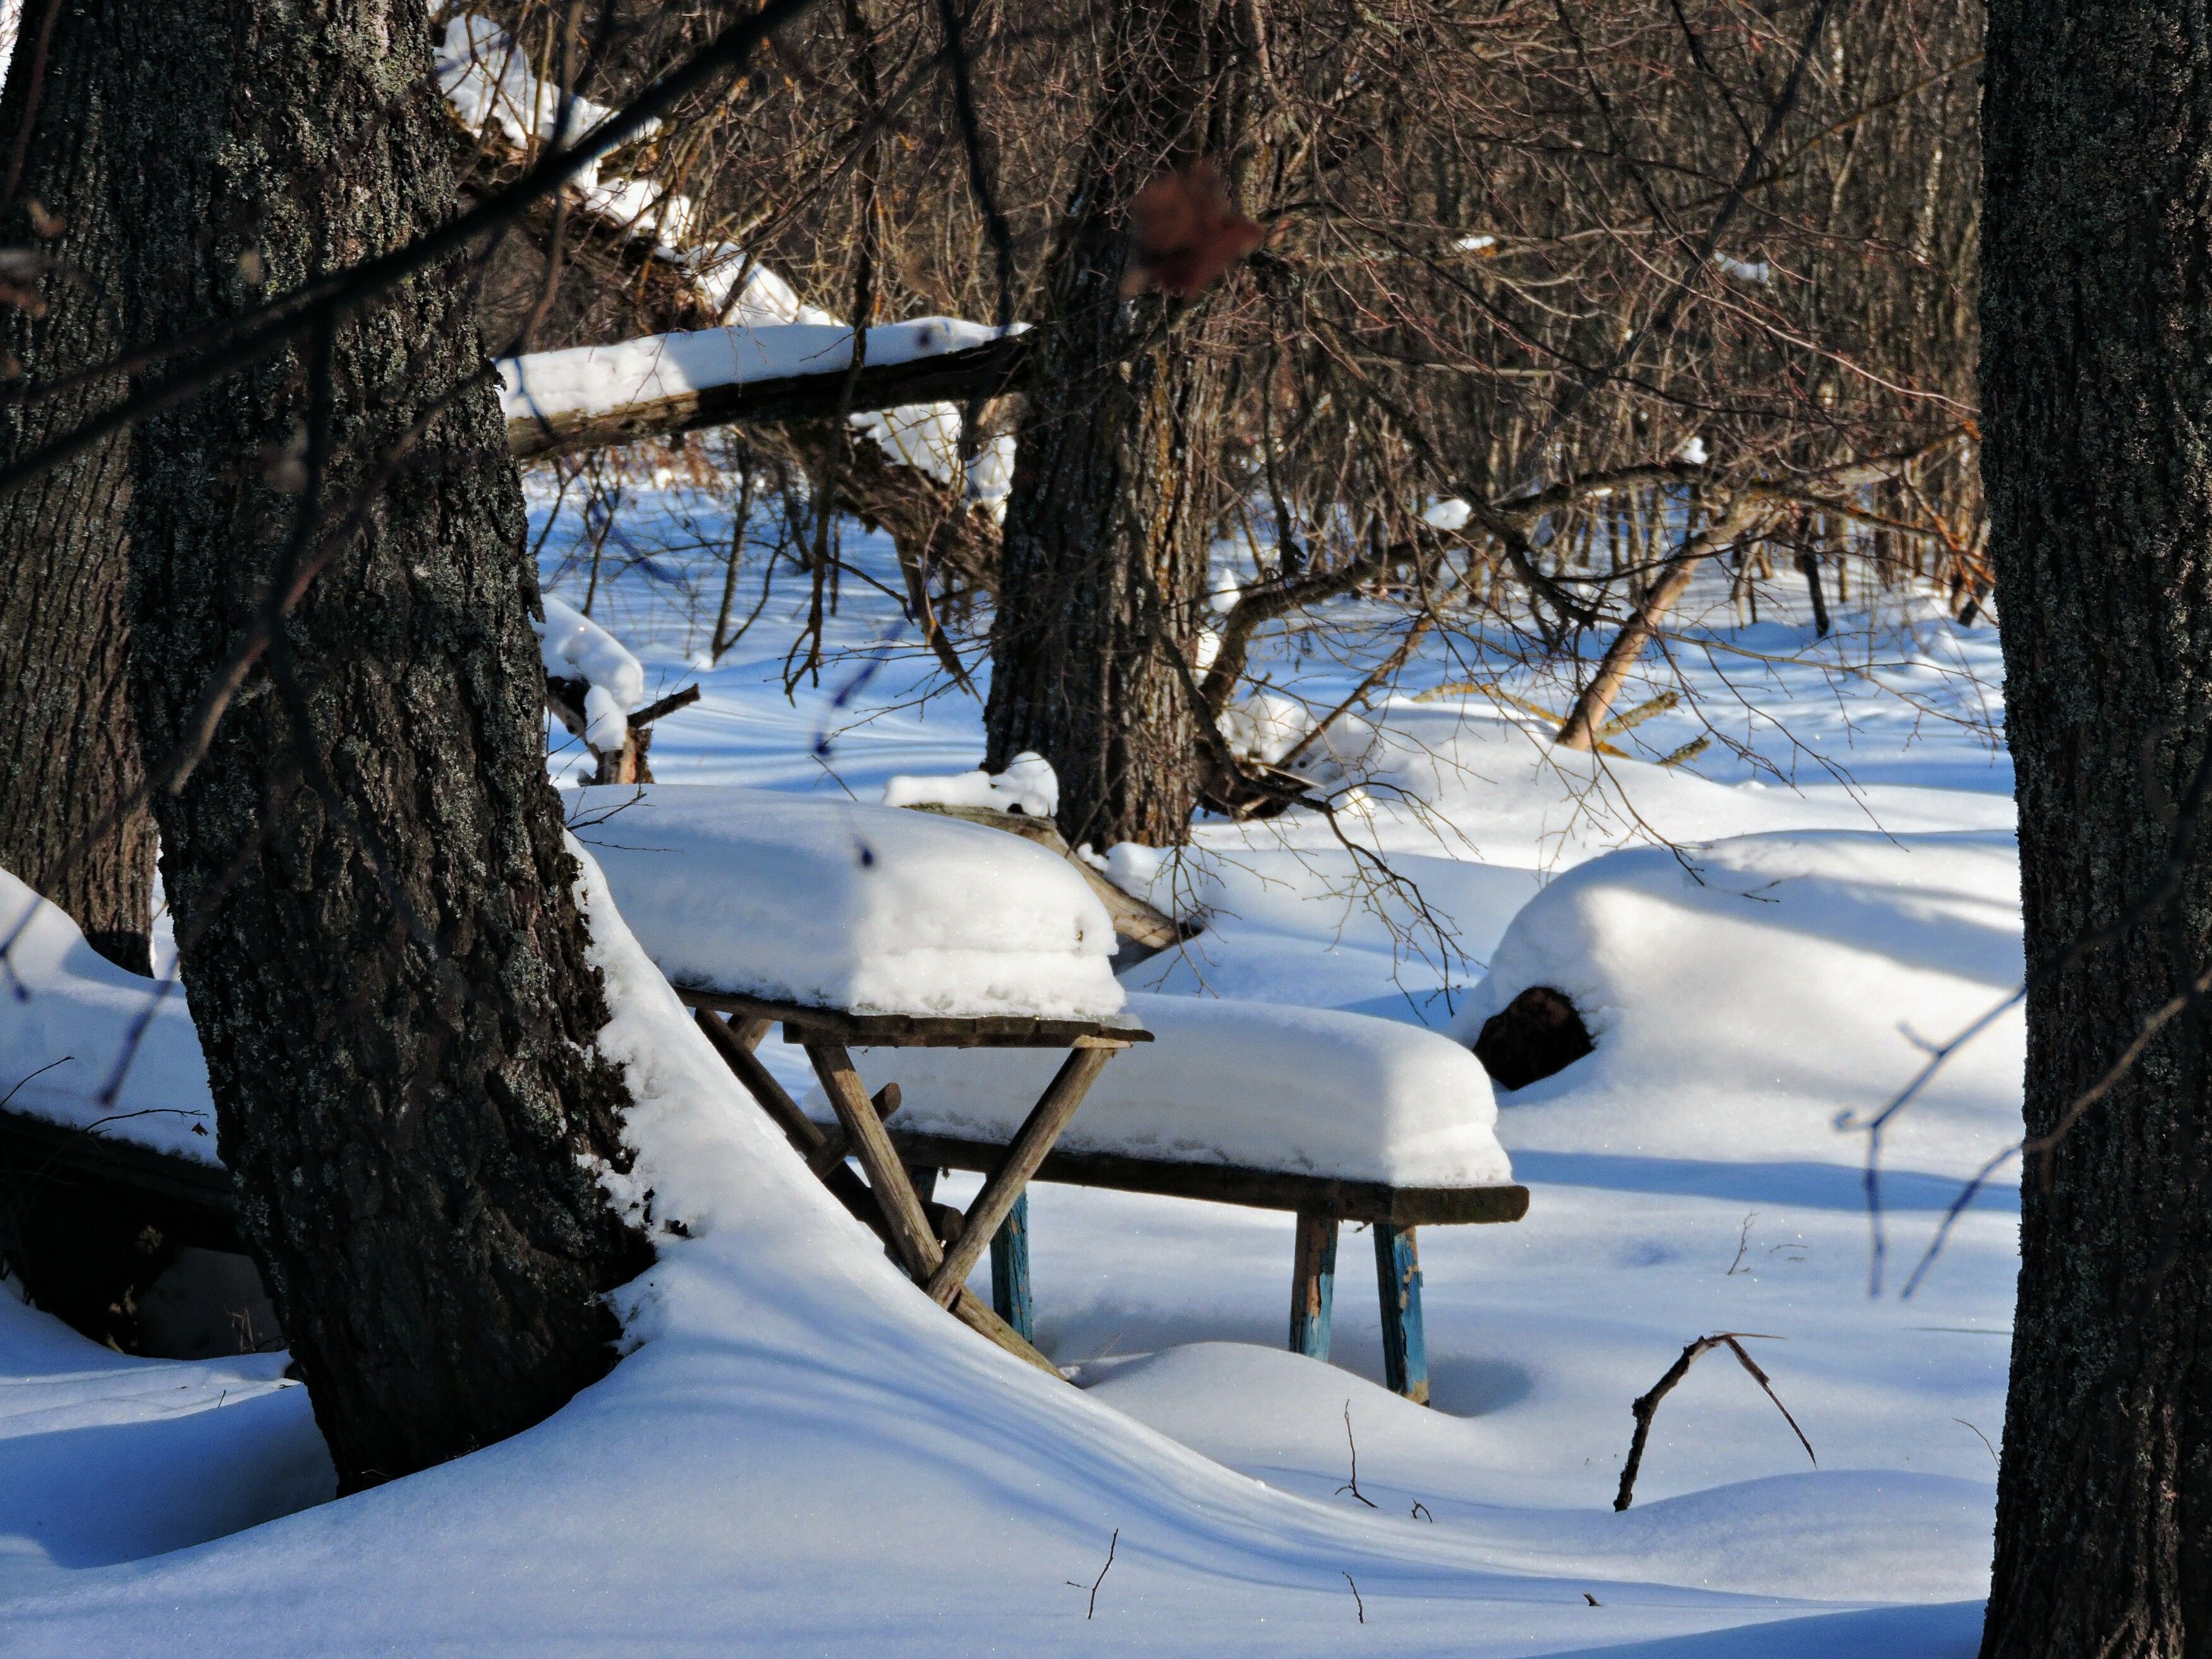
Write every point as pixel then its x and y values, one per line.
pixel 1352 1484
pixel 1075 1584
pixel 1647 1407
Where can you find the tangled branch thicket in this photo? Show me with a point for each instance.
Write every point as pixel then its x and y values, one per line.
pixel 1611 274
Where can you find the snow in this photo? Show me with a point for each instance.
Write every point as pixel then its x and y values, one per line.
pixel 486 76
pixel 1749 270
pixel 573 646
pixel 1028 785
pixel 870 910
pixel 69 1017
pixel 1448 512
pixel 1252 1086
pixel 107 1459
pixel 787 1391
pixel 799 1455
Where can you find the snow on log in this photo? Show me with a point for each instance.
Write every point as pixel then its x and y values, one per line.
pixel 867 909
pixel 573 647
pixel 1028 785
pixel 668 383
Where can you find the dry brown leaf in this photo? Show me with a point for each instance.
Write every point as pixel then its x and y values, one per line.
pixel 1184 233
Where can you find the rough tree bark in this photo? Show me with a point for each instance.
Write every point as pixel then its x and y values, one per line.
pixel 2097 392
pixel 71 760
pixel 387 965
pixel 1103 568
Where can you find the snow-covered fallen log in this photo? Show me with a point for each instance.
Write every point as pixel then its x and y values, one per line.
pixel 668 383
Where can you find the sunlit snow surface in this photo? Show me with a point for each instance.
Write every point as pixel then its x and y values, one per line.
pixel 801 1456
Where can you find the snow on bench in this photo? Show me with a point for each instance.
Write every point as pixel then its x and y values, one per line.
pixel 1250 1086
pixel 865 909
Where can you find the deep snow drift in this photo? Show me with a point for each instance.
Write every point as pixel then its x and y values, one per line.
pixel 800 1455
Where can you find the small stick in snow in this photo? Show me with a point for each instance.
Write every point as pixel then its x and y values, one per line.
pixel 1356 1602
pixel 1075 1583
pixel 1352 1484
pixel 1647 1407
pixel 1742 1243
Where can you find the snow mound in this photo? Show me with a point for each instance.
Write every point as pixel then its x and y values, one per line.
pixel 1259 1086
pixel 868 909
pixel 1476 783
pixel 1807 973
pixel 68 1018
pixel 1028 785
pixel 573 646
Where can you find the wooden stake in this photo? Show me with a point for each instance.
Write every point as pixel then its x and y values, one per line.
pixel 1313 1282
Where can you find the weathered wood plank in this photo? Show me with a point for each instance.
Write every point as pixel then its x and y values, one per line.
pixel 804 1025
pixel 1405 1344
pixel 978 1317
pixel 1313 1282
pixel 1221 1183
pixel 1030 1145
pixel 911 1233
pixel 980 373
pixel 737 1054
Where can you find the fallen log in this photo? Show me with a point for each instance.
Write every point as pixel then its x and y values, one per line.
pixel 977 374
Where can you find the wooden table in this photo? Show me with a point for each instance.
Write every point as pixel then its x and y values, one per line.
pixel 1320 1204
pixel 937 1245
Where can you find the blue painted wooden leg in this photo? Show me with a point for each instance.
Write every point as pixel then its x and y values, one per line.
pixel 1398 1277
pixel 1010 1270
pixel 1313 1284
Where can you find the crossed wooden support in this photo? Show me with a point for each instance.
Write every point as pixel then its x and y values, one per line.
pixel 937 1245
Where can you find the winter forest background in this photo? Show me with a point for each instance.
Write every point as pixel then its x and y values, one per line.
pixel 1549 593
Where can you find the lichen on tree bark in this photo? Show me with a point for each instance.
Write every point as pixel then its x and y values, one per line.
pixel 2096 388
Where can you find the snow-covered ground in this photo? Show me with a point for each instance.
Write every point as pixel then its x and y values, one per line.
pixel 801 1455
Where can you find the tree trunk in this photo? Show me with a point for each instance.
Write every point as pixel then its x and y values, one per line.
pixel 1103 571
pixel 1585 721
pixel 384 959
pixel 71 758
pixel 2097 390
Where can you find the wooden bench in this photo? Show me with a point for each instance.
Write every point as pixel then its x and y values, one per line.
pixel 999 1215
pixel 1320 1205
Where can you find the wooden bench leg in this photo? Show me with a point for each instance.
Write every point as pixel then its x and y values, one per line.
pixel 1313 1284
pixel 1398 1277
pixel 1010 1270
